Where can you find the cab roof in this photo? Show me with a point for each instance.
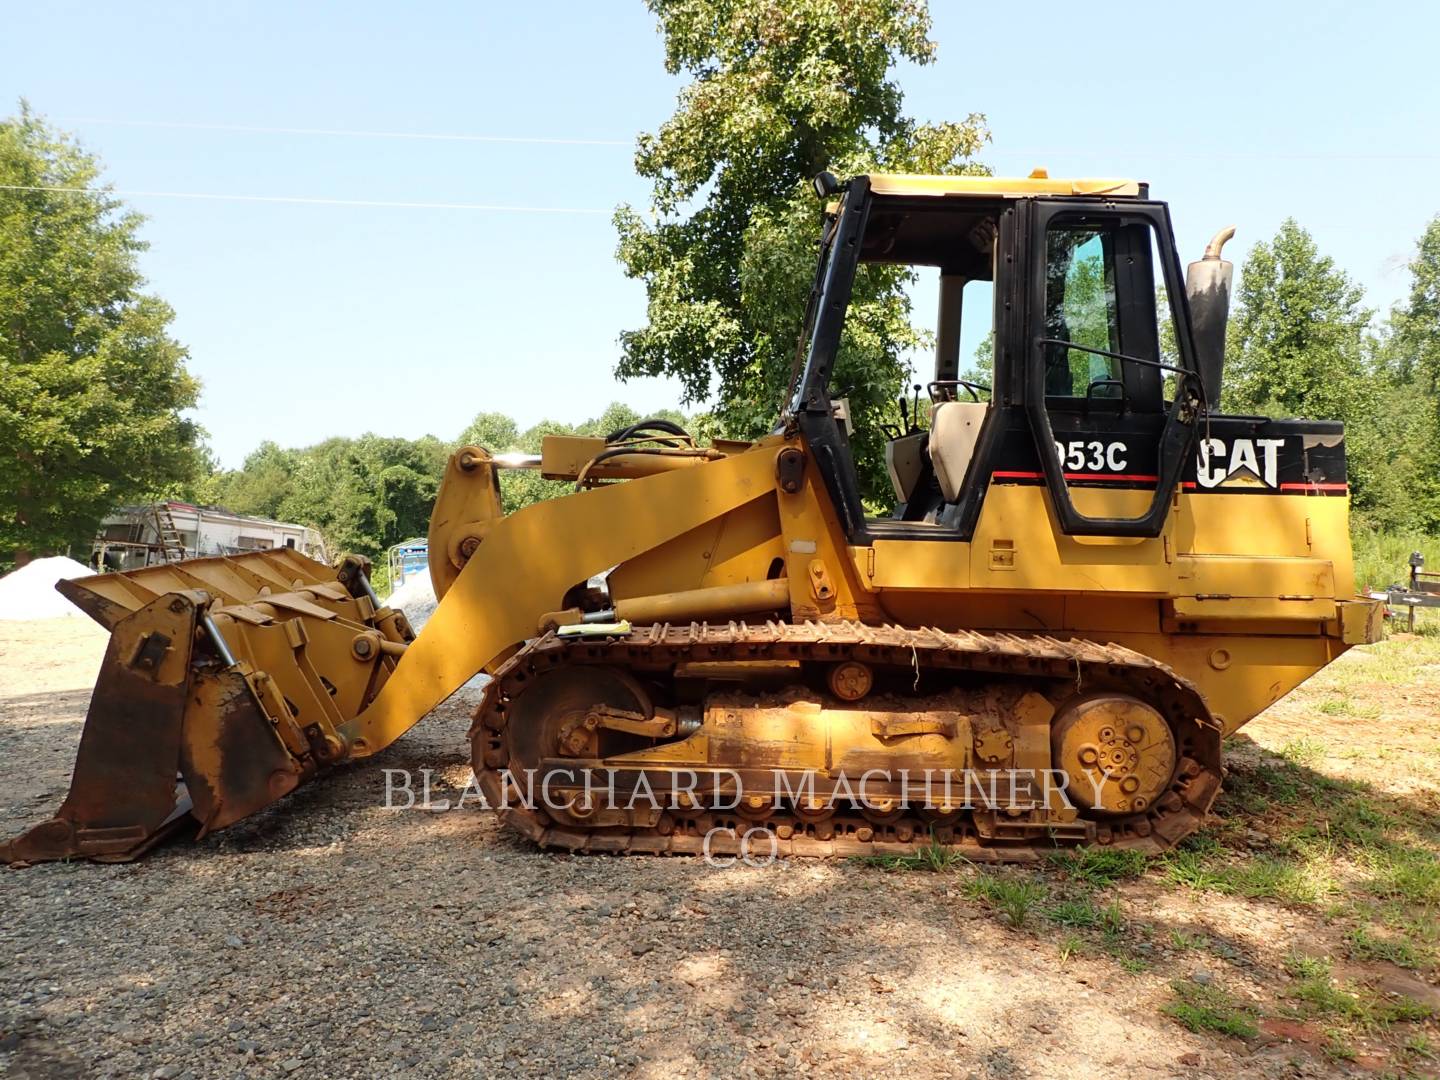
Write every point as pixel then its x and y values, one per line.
pixel 1038 182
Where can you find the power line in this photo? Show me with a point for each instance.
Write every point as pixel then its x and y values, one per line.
pixel 1204 155
pixel 543 140
pixel 257 129
pixel 308 201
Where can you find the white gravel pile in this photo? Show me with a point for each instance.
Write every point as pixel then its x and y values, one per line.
pixel 29 593
pixel 415 597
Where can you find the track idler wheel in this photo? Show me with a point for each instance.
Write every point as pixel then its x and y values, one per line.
pixel 1119 753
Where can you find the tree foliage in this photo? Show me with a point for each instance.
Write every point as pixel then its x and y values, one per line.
pixel 1300 344
pixel 1297 336
pixel 1407 419
pixel 497 433
pixel 1297 348
pixel 362 494
pixel 93 388
pixel 779 90
pixel 368 493
pixel 1414 345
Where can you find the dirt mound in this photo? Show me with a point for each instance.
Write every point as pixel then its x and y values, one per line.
pixel 29 593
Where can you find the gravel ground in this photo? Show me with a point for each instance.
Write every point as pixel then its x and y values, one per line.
pixel 332 937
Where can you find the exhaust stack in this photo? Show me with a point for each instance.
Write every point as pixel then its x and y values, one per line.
pixel 1207 285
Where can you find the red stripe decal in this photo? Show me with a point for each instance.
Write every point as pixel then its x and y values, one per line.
pixel 1135 478
pixel 1188 485
pixel 1123 477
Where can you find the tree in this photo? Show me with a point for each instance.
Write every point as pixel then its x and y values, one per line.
pixel 1296 339
pixel 498 434
pixel 1415 341
pixel 982 363
pixel 494 431
pixel 778 92
pixel 92 385
pixel 363 495
pixel 1297 347
pixel 368 493
pixel 1408 418
pixel 262 485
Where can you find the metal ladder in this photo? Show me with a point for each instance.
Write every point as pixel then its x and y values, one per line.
pixel 172 546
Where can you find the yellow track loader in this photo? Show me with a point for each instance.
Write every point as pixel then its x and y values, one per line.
pixel 1089 577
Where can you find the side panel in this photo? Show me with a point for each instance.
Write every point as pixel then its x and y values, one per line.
pixel 738 547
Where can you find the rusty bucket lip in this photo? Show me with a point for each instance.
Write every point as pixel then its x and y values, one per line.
pixel 182 694
pixel 231 580
pixel 105 612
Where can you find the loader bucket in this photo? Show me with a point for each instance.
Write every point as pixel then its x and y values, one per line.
pixel 223 685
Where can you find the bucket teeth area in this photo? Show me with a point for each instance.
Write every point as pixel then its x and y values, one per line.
pixel 224 687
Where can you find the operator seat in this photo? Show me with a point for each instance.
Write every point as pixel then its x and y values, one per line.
pixel 954 431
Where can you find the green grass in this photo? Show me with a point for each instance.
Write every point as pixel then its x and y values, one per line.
pixel 1193 863
pixel 1116 938
pixel 1316 823
pixel 1303 966
pixel 1255 786
pixel 1345 706
pixel 1338 1045
pixel 1352 820
pixel 1306 753
pixel 1401 872
pixel 1415 926
pixel 1301 877
pixel 1364 944
pixel 1100 867
pixel 1337 847
pixel 1094 926
pixel 1317 995
pixel 1211 1008
pixel 1421 1047
pixel 934 857
pixel 1299 882
pixel 1394 663
pixel 1013 898
pixel 1077 914
pixel 1383 558
pixel 1180 941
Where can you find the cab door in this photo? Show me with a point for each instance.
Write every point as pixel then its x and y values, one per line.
pixel 1109 394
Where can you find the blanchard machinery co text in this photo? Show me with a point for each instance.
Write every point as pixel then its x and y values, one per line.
pixel 723 790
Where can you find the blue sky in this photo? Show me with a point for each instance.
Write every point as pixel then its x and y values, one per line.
pixel 305 321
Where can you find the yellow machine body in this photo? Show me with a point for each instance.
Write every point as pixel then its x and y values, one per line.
pixel 723 610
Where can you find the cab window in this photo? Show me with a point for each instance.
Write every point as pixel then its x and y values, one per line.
pixel 1080 308
pixel 1099 307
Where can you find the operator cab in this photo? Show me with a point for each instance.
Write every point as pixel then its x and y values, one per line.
pixel 1056 290
pixel 928 460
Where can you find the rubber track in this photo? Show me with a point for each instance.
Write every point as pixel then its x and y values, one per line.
pixel 1048 660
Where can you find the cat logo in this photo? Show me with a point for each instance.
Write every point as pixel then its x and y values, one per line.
pixel 1244 463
